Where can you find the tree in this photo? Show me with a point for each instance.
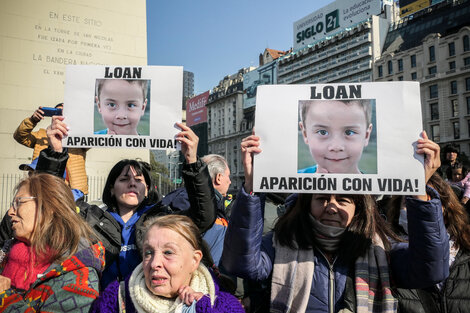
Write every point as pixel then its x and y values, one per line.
pixel 160 175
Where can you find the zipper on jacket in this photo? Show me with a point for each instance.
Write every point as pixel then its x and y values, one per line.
pixel 331 278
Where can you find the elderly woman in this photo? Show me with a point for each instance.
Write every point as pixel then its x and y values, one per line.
pixel 129 195
pixel 171 277
pixel 51 258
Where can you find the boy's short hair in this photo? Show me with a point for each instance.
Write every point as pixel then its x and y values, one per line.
pixel 304 105
pixel 143 83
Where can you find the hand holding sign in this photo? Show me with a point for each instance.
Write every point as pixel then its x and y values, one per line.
pixel 189 141
pixel 56 132
pixel 432 160
pixel 249 146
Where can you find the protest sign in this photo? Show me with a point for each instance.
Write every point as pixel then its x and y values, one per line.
pixel 339 138
pixel 122 106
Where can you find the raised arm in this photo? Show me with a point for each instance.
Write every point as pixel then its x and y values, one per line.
pixel 432 159
pixel 53 159
pixel 246 253
pixel 249 146
pixel 197 181
pixel 24 133
pixel 424 261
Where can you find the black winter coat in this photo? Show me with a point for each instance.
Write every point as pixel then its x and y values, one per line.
pixel 453 298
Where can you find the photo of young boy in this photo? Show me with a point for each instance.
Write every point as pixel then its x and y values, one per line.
pixel 122 107
pixel 334 133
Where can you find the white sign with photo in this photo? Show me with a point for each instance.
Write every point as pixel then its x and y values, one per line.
pixel 122 106
pixel 339 138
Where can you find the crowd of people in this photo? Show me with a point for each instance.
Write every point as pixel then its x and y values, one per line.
pixel 189 251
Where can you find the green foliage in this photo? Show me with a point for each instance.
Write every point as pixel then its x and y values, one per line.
pixel 157 170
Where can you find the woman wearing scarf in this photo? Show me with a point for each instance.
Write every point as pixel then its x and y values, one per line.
pixel 51 259
pixel 331 252
pixel 171 277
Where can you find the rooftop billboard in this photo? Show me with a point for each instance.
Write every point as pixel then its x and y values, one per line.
pixel 333 18
pixel 408 7
pixel 196 111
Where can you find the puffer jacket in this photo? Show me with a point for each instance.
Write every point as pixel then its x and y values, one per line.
pixel 37 140
pixel 202 206
pixel 422 263
pixel 453 297
pixel 70 286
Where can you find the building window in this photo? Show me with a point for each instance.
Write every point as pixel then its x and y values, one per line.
pixel 456 126
pixel 435 133
pixel 455 107
pixel 434 111
pixel 432 54
pixel 432 70
pixel 453 87
pixel 452 65
pixel 390 67
pixel 451 49
pixel 467 84
pixel 400 78
pixel 466 43
pixel 400 65
pixel 433 91
pixel 380 71
pixel 468 104
pixel 414 76
pixel 466 61
pixel 413 60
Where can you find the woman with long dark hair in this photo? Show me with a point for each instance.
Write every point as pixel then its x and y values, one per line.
pixel 331 252
pixel 451 295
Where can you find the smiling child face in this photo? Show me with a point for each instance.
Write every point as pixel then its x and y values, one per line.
pixel 121 104
pixel 336 134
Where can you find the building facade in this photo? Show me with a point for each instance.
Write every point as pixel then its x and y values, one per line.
pixel 433 48
pixel 38 40
pixel 188 86
pixel 224 123
pixel 345 57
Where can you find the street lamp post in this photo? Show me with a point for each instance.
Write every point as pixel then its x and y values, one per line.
pixel 159 182
pixel 175 169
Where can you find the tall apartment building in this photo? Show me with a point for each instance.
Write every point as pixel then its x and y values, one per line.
pixel 188 86
pixel 433 47
pixel 224 119
pixel 345 56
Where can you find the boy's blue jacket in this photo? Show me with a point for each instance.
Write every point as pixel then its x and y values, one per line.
pixel 421 263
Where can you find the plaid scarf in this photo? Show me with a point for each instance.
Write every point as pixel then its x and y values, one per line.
pixel 293 274
pixel 373 291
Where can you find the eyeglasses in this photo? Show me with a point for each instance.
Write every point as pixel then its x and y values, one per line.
pixel 15 204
